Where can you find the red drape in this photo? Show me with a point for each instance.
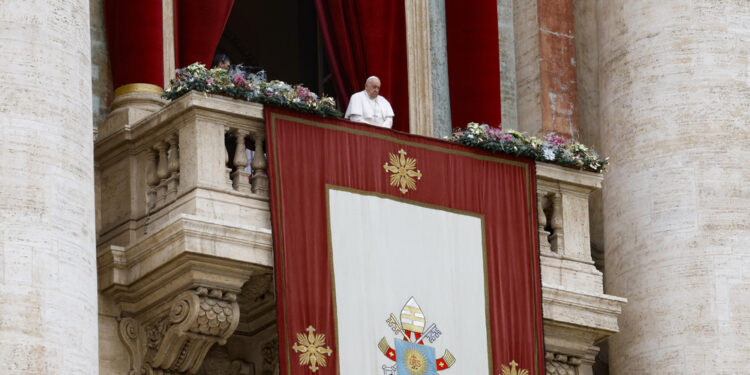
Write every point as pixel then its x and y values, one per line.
pixel 134 34
pixel 198 28
pixel 365 38
pixel 473 61
pixel 307 154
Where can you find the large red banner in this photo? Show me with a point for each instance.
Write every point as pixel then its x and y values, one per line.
pixel 315 165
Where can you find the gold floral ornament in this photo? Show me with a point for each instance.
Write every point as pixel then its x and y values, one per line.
pixel 404 171
pixel 311 349
pixel 512 369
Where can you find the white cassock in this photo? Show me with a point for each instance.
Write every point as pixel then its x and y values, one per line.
pixel 371 111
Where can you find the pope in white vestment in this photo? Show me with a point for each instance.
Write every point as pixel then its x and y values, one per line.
pixel 369 107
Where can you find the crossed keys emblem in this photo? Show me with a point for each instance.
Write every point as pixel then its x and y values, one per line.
pixel 411 355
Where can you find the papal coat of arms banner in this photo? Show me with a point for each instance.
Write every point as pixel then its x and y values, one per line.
pixel 401 255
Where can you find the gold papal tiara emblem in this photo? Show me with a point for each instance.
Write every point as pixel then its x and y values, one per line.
pixel 404 171
pixel 310 347
pixel 411 354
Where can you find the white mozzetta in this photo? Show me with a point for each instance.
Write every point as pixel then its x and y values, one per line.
pixel 48 303
pixel 674 81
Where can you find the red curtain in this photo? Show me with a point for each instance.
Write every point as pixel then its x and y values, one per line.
pixel 365 38
pixel 340 153
pixel 134 34
pixel 473 61
pixel 198 28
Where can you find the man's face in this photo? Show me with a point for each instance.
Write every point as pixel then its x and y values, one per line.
pixel 373 88
pixel 223 65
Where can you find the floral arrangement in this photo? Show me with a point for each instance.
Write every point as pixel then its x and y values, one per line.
pixel 253 87
pixel 553 148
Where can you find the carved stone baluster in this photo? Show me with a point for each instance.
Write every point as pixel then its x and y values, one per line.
pixel 173 167
pixel 151 179
pixel 161 172
pixel 542 203
pixel 226 160
pixel 260 167
pixel 240 177
pixel 557 237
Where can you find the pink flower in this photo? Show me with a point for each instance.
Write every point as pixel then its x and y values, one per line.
pixel 556 140
pixel 498 134
pixel 210 81
pixel 239 81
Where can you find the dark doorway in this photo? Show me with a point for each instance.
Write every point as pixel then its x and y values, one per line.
pixel 280 36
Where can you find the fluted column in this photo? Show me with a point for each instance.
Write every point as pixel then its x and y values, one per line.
pixel 48 301
pixel 674 81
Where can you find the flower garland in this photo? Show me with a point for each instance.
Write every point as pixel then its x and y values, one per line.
pixel 250 86
pixel 553 149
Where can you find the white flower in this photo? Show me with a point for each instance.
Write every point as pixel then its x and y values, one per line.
pixel 549 154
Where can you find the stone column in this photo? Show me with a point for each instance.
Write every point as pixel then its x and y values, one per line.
pixel 674 102
pixel 441 103
pixel 418 61
pixel 48 306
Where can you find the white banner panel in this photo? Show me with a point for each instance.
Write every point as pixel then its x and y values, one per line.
pixel 386 251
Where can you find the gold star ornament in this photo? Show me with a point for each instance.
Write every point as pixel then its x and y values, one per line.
pixel 311 350
pixel 512 370
pixel 404 171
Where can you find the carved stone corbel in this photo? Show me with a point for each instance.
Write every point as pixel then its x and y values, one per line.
pixel 561 364
pixel 175 341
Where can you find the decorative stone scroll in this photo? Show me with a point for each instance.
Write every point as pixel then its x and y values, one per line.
pixel 175 341
pixel 561 364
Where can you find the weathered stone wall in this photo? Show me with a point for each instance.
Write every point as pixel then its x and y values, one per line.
pixel 675 88
pixel 101 74
pixel 528 97
pixel 47 247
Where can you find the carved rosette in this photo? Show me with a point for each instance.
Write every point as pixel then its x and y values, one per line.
pixel 176 341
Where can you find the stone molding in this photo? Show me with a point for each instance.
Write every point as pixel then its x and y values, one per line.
pixel 176 340
pixel 187 252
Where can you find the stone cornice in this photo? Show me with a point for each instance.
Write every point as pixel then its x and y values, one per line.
pixel 588 180
pixel 188 252
pixel 578 318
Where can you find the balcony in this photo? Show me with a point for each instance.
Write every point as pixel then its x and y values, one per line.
pixel 185 253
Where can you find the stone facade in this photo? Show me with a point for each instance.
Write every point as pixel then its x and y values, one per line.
pixel 660 88
pixel 47 234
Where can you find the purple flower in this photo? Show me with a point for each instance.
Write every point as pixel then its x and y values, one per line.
pixel 210 81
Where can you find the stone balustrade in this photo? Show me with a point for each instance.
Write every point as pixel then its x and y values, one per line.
pixel 577 312
pixel 176 161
